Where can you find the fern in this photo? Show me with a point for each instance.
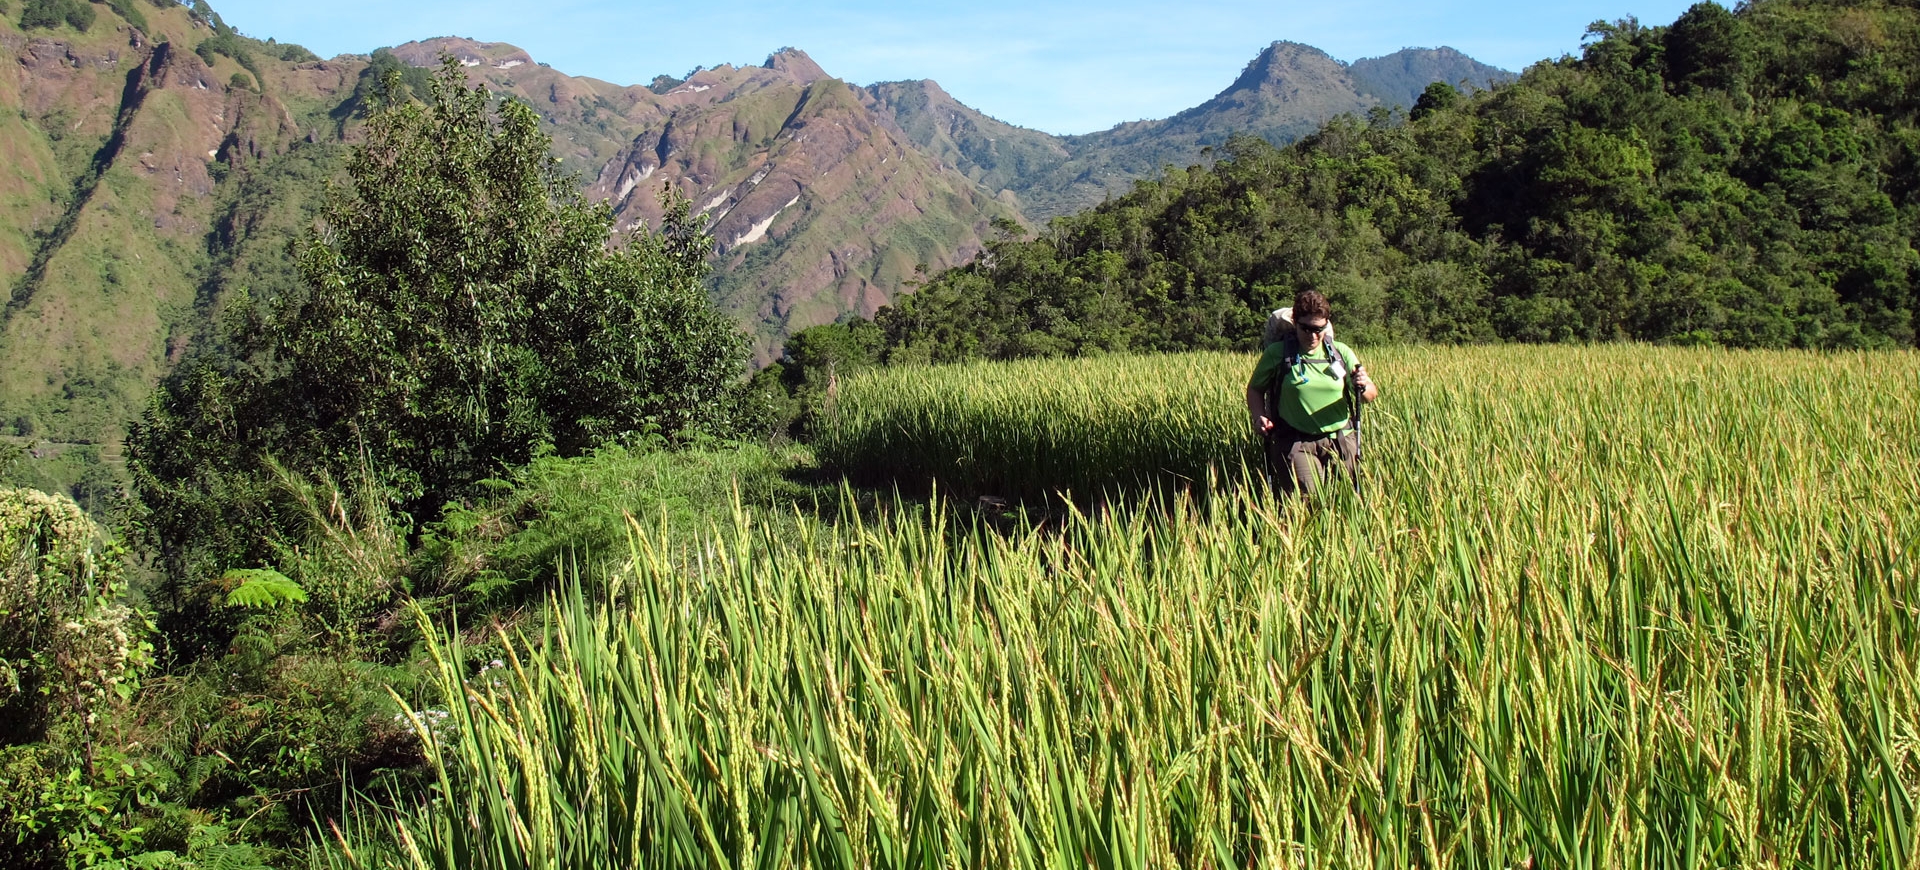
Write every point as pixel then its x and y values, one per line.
pixel 232 857
pixel 262 587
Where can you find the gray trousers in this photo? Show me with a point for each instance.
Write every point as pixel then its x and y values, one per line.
pixel 1300 463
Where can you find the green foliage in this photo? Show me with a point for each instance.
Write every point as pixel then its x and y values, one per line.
pixel 462 310
pixel 72 654
pixel 1741 178
pixel 289 52
pixel 128 10
pixel 77 14
pixel 67 642
pixel 12 456
pixel 794 391
pixel 262 587
pixel 1401 78
pixel 1438 96
pixel 578 511
pixel 228 42
pixel 388 79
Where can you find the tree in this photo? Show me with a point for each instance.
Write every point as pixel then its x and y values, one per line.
pixel 50 13
pixel 1439 96
pixel 1708 48
pixel 463 311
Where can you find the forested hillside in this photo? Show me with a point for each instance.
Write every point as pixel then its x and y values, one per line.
pixel 1736 178
pixel 1285 92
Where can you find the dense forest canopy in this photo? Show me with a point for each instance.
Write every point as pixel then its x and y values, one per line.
pixel 1742 178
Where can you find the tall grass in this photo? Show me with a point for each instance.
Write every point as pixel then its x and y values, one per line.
pixel 1033 428
pixel 1619 607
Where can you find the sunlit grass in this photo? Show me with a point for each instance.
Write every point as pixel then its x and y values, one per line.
pixel 1600 607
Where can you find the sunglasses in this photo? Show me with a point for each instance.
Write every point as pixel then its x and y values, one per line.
pixel 1310 330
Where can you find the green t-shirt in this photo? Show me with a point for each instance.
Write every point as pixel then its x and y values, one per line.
pixel 1311 399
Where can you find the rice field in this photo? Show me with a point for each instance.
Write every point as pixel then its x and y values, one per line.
pixel 1603 607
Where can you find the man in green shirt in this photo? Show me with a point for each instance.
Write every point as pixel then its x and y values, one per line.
pixel 1301 399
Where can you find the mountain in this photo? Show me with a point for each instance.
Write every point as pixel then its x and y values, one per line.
pixel 1400 77
pixel 820 208
pixel 164 162
pixel 135 201
pixel 1288 90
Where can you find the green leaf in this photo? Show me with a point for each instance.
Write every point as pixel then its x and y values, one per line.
pixel 262 587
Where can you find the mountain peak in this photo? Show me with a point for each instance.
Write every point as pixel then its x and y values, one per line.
pixel 1283 66
pixel 1401 76
pixel 1282 60
pixel 796 65
pixel 470 52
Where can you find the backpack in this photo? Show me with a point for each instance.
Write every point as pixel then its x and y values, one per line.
pixel 1338 365
pixel 1280 327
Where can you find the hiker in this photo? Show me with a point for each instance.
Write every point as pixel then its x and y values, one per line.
pixel 1305 399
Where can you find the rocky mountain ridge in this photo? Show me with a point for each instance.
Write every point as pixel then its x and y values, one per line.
pixel 1286 91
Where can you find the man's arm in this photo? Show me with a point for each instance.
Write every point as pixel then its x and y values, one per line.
pixel 1257 410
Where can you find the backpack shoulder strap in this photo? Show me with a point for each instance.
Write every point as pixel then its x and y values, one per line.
pixel 1290 350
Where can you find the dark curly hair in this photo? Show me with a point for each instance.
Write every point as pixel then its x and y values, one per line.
pixel 1310 305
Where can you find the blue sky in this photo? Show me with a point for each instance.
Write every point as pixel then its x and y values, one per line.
pixel 1063 66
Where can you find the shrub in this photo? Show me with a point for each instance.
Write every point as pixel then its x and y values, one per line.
pixel 67 643
pixel 51 13
pixel 71 655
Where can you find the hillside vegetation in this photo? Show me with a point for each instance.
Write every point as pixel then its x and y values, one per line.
pixel 1737 178
pixel 1285 92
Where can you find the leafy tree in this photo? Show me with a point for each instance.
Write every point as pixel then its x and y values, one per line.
pixel 463 311
pixel 1437 97
pixel 78 14
pixel 1709 49
pixel 814 361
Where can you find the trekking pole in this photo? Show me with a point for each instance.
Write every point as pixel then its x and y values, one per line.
pixel 1356 403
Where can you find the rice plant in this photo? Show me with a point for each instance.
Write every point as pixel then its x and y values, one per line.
pixel 1599 607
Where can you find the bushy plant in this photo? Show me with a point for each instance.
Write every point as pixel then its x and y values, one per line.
pixel 72 653
pixel 77 14
pixel 557 512
pixel 127 10
pixel 68 644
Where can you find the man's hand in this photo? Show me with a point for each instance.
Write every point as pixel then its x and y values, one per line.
pixel 1262 425
pixel 1367 390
